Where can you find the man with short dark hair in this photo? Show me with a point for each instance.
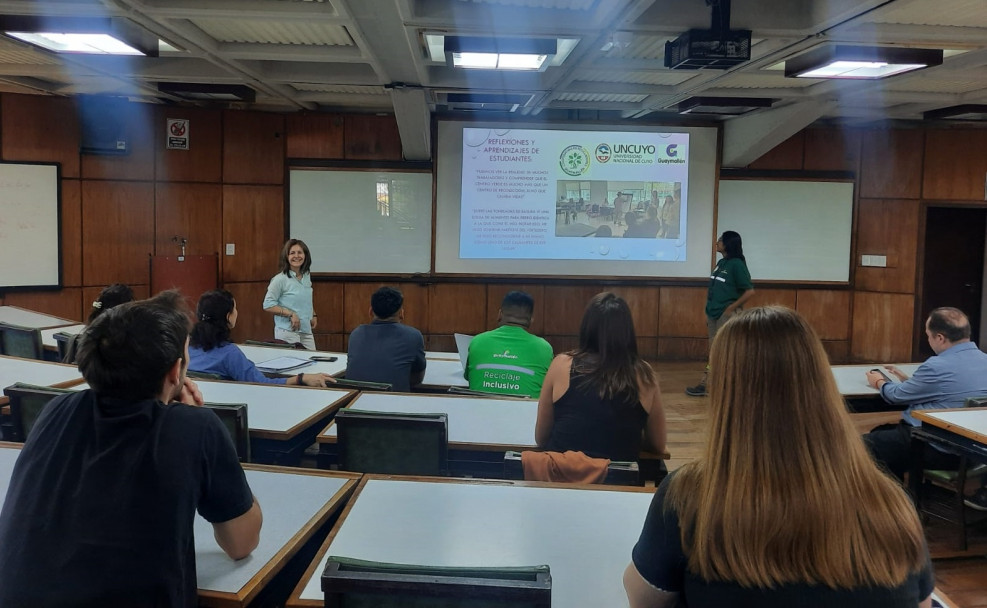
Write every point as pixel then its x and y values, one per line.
pixel 509 360
pixel 386 350
pixel 101 501
pixel 957 371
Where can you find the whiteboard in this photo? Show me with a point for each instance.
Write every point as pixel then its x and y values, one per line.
pixel 375 222
pixel 30 247
pixel 792 230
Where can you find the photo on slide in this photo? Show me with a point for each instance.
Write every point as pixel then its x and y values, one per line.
pixel 618 209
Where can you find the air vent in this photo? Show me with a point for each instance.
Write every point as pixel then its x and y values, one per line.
pixel 489 102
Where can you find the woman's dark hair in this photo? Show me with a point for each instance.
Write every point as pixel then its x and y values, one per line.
pixel 114 295
pixel 733 245
pixel 607 350
pixel 212 329
pixel 283 264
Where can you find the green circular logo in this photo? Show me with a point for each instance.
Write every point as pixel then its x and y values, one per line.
pixel 574 160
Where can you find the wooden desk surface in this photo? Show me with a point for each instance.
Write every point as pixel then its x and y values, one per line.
pixel 852 379
pixel 259 354
pixel 444 373
pixel 28 318
pixel 441 522
pixel 475 423
pixel 969 422
pixel 48 335
pixel 295 503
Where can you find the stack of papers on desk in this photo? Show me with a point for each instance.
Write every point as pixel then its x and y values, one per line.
pixel 282 364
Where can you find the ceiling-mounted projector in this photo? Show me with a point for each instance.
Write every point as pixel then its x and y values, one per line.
pixel 708 50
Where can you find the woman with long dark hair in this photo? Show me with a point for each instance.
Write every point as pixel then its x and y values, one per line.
pixel 114 295
pixel 729 287
pixel 785 506
pixel 211 352
pixel 289 296
pixel 598 398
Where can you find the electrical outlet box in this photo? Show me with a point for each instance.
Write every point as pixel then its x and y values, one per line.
pixel 880 261
pixel 230 249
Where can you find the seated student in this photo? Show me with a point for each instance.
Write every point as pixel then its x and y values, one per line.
pixel 212 352
pixel 111 296
pixel 508 360
pixel 598 398
pixel 387 350
pixel 646 229
pixel 784 507
pixel 102 499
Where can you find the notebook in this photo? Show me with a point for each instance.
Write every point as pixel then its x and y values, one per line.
pixel 282 364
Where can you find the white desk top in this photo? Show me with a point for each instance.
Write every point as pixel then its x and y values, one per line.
pixel 48 335
pixel 444 372
pixel 289 500
pixel 275 412
pixel 30 371
pixel 432 354
pixel 28 318
pixel 969 422
pixel 259 354
pixel 585 536
pixel 852 379
pixel 474 422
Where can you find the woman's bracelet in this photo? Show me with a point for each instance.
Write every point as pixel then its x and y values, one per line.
pixel 299 379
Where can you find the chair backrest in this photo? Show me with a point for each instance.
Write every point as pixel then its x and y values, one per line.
pixel 234 418
pixel 203 375
pixel 979 401
pixel 362 385
pixel 392 443
pixel 17 341
pixel 26 403
pixel 351 583
pixel 619 473
pixel 62 340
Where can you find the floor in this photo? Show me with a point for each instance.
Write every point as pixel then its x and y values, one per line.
pixel 962 576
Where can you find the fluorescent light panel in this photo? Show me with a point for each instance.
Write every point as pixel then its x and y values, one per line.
pixel 93 44
pixel 530 54
pixel 860 63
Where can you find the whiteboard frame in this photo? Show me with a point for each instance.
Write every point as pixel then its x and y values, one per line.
pixel 820 176
pixel 58 223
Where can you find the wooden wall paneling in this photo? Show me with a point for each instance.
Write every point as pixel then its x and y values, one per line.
pixel 252 322
pixel 647 347
pixel 955 164
pixel 327 301
pixel 827 311
pixel 71 223
pixel 832 149
pixel 772 297
pixel 882 327
pixel 138 163
pixel 891 164
pixel 441 343
pixel 41 129
pixel 562 344
pixel 495 296
pixel 682 315
pixel 682 349
pixel 457 308
pixel 838 351
pixel 888 228
pixel 117 232
pixel 203 161
pixel 371 137
pixel 564 308
pixel 644 303
pixel 65 303
pixel 314 136
pixel 253 221
pixel 193 211
pixel 355 303
pixel 253 147
pixel 335 343
pixel 785 156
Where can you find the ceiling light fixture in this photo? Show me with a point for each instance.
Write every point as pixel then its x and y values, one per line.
pixel 967 111
pixel 723 106
pixel 85 35
pixel 860 62
pixel 530 54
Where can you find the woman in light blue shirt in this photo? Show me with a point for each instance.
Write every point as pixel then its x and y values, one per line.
pixel 289 296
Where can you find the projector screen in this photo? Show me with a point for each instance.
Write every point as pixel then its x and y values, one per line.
pixel 29 226
pixel 576 200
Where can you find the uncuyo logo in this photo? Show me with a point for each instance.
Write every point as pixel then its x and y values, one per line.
pixel 574 160
pixel 603 153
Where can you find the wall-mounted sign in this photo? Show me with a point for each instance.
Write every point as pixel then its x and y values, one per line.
pixel 177 134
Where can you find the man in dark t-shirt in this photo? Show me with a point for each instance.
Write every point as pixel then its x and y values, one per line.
pixel 386 350
pixel 101 502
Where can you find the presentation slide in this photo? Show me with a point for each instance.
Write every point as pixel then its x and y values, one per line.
pixel 574 195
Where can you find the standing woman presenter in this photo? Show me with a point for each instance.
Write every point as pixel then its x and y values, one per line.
pixel 729 287
pixel 289 296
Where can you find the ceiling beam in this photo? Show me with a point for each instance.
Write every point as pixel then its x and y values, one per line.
pixel 747 138
pixel 411 109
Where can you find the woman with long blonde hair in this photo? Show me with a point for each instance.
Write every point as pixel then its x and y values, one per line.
pixel 785 506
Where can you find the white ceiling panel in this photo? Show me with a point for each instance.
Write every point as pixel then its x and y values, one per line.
pixel 601 97
pixel 956 13
pixel 659 77
pixel 578 5
pixel 274 32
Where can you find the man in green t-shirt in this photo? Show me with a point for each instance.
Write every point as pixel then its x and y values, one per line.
pixel 509 360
